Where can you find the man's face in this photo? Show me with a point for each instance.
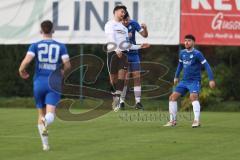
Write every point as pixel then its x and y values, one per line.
pixel 120 14
pixel 125 22
pixel 189 43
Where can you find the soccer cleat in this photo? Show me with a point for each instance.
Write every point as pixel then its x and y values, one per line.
pixel 45 130
pixel 139 106
pixel 170 124
pixel 46 147
pixel 196 124
pixel 122 106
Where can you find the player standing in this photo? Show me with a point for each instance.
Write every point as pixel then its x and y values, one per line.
pixel 117 45
pixel 134 60
pixel 48 55
pixel 191 61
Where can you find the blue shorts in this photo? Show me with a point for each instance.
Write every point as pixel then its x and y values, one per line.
pixel 134 62
pixel 184 86
pixel 43 94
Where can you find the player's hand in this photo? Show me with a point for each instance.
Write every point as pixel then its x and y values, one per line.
pixel 145 45
pixel 143 26
pixel 212 84
pixel 175 81
pixel 119 54
pixel 23 74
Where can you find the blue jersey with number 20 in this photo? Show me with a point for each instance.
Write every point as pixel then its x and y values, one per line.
pixel 48 56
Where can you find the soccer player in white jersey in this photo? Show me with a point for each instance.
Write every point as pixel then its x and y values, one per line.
pixel 191 61
pixel 48 55
pixel 117 45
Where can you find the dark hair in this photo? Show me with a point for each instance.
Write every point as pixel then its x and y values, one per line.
pixel 189 36
pixel 120 6
pixel 126 15
pixel 47 27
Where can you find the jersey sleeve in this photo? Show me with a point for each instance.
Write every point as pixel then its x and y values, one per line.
pixel 64 52
pixel 137 26
pixel 32 50
pixel 204 62
pixel 180 57
pixel 179 67
pixel 201 58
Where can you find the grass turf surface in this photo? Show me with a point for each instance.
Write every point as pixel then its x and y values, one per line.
pixel 114 138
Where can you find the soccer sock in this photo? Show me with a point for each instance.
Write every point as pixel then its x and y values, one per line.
pixel 173 110
pixel 49 118
pixel 196 110
pixel 43 138
pixel 123 95
pixel 137 93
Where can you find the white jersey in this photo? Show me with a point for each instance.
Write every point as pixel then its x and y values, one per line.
pixel 117 36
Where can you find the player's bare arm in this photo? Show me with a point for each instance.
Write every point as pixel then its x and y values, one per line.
pixel 144 33
pixel 66 66
pixel 25 63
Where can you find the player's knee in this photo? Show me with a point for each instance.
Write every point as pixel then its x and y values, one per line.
pixel 173 97
pixel 49 118
pixel 137 82
pixel 193 97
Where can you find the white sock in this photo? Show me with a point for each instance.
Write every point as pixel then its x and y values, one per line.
pixel 43 138
pixel 123 95
pixel 173 110
pixel 137 93
pixel 196 110
pixel 49 118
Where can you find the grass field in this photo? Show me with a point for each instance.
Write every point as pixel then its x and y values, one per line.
pixel 112 137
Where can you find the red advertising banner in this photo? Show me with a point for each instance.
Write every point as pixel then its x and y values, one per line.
pixel 212 22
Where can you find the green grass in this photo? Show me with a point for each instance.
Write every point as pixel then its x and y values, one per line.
pixel 112 137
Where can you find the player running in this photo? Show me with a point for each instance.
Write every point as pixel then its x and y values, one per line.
pixel 117 45
pixel 191 61
pixel 134 60
pixel 48 55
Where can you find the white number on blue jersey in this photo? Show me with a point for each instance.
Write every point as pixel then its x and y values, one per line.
pixel 46 53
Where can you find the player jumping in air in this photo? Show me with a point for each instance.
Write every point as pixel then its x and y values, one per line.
pixel 134 60
pixel 48 55
pixel 117 45
pixel 190 61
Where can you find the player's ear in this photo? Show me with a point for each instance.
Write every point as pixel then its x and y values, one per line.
pixel 41 32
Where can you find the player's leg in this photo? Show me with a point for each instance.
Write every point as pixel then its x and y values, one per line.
pixel 50 114
pixel 173 109
pixel 51 100
pixel 137 89
pixel 194 89
pixel 42 128
pixel 113 62
pixel 39 96
pixel 180 90
pixel 122 72
pixel 124 92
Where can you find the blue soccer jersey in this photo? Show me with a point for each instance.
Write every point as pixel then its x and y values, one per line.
pixel 48 56
pixel 133 27
pixel 191 62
